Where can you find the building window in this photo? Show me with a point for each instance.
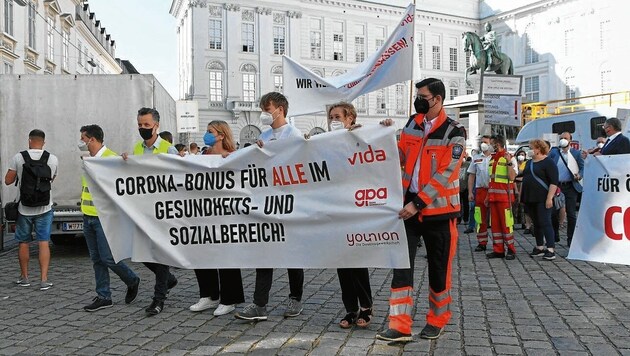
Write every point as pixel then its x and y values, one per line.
pixel 277 83
pixel 467 58
pixel 470 91
pixel 604 34
pixel 31 24
pixel 453 59
pixel 531 56
pixel 401 102
pixel 360 104
pixel 215 34
pixel 338 36
pixel 249 82
pixel 50 39
pixel 316 39
pixel 437 59
pixel 379 34
pixel 8 17
pixel 568 42
pixel 359 43
pixel 453 92
pixel 65 47
pixel 278 39
pixel 569 82
pixel 532 89
pixel 79 53
pixel 421 54
pixel 248 37
pixel 381 101
pixel 605 79
pixel 216 85
pixel 8 68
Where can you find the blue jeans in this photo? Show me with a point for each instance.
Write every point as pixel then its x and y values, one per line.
pixel 102 258
pixel 541 218
pixel 471 217
pixel 42 224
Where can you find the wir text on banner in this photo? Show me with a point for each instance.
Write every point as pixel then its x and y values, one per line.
pixel 327 202
pixel 602 233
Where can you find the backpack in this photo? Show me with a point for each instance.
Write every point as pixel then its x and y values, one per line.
pixel 35 183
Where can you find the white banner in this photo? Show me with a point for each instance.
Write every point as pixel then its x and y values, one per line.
pixel 602 233
pixel 393 63
pixel 330 201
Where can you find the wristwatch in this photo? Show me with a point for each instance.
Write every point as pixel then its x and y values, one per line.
pixel 510 164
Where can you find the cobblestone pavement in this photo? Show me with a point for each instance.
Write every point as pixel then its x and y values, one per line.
pixel 523 307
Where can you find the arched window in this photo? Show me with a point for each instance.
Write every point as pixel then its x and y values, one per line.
pixel 453 88
pixel 318 72
pixel 248 72
pixel 215 74
pixel 531 56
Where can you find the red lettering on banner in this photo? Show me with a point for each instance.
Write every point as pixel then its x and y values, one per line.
pixel 366 197
pixel 369 156
pixel 287 175
pixel 608 223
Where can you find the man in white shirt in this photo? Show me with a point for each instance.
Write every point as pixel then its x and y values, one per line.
pixel 35 204
pixel 478 178
pixel 274 106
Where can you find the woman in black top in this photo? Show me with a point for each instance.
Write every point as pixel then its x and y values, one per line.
pixel 540 182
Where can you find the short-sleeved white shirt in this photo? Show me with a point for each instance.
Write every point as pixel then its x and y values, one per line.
pixel 16 165
pixel 479 167
pixel 284 131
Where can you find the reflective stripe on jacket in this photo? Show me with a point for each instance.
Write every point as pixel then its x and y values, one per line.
pixel 499 179
pixel 87 205
pixel 441 153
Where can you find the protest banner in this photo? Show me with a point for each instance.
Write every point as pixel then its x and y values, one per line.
pixel 391 64
pixel 602 233
pixel 330 201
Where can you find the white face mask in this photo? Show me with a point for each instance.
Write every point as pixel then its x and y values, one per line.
pixel 520 158
pixel 564 142
pixel 336 125
pixel 267 118
pixel 600 145
pixel 83 146
pixel 485 147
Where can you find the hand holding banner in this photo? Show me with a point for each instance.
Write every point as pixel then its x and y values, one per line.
pixel 331 201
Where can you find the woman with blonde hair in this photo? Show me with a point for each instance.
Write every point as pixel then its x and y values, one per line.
pixel 356 292
pixel 219 288
pixel 540 182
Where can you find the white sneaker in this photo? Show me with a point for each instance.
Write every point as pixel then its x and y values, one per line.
pixel 203 304
pixel 223 309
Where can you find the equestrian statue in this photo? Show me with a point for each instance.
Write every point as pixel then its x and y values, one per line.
pixel 484 56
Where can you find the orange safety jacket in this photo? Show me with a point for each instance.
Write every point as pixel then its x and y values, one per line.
pixel 440 154
pixel 499 181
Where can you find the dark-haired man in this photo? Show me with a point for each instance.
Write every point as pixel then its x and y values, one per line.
pixel 152 143
pixel 35 210
pixel 275 107
pixel 616 143
pixel 431 149
pixel 98 247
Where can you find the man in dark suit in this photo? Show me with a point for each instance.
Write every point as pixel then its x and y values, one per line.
pixel 570 171
pixel 617 143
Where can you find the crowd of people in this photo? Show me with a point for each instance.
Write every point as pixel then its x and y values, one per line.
pixel 432 154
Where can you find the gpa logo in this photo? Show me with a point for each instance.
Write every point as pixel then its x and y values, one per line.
pixel 370 197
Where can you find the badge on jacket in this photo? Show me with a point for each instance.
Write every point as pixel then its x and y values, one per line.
pixel 457 151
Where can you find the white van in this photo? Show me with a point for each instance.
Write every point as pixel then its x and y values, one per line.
pixel 584 126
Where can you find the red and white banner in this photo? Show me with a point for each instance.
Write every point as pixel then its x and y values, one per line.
pixel 393 63
pixel 327 202
pixel 602 233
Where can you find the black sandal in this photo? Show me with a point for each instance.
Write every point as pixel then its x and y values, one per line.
pixel 349 320
pixel 366 316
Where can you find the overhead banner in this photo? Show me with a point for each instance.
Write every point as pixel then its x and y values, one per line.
pixel 327 202
pixel 391 64
pixel 602 233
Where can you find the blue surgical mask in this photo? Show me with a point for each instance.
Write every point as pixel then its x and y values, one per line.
pixel 209 139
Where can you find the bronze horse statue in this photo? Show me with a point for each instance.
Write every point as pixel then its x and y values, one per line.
pixel 478 59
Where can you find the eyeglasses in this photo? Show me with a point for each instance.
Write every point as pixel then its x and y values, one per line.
pixel 425 98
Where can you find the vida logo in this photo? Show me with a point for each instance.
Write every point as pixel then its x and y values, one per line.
pixel 368 156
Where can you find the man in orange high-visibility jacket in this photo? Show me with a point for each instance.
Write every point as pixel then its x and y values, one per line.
pixel 502 170
pixel 431 150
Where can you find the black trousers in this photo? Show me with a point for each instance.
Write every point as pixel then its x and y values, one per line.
pixel 355 288
pixel 162 277
pixel 570 198
pixel 437 241
pixel 223 284
pixel 264 278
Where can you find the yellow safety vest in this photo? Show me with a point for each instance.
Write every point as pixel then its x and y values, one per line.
pixel 138 149
pixel 87 205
